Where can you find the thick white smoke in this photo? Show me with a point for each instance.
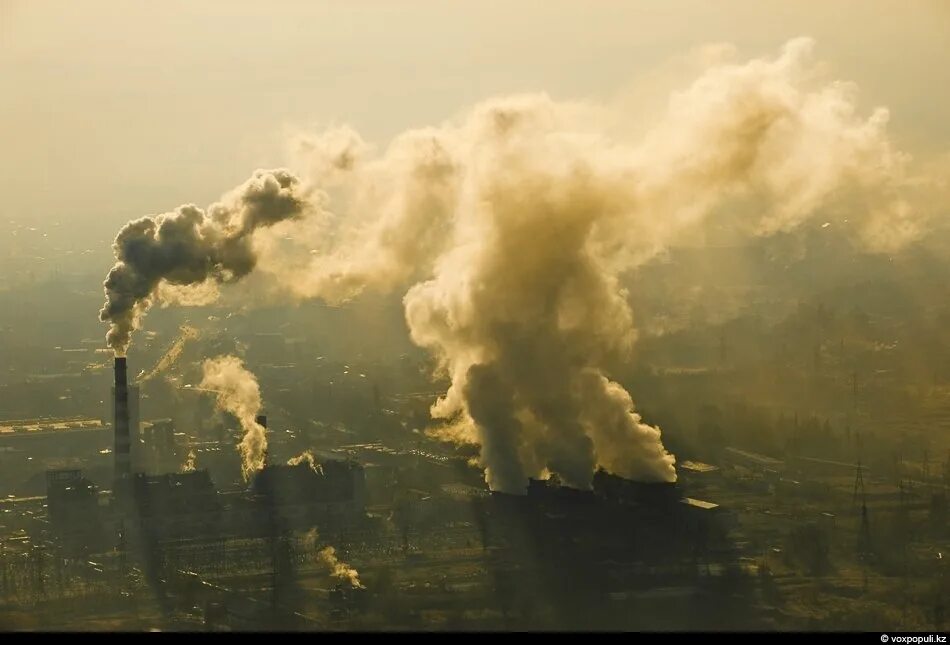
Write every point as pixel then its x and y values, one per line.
pixel 510 229
pixel 516 222
pixel 192 247
pixel 238 393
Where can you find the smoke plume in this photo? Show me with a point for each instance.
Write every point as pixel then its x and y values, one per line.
pixel 339 570
pixel 511 227
pixel 189 465
pixel 327 557
pixel 306 457
pixel 238 393
pixel 193 247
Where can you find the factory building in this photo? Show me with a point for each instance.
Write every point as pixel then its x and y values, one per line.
pixel 150 498
pixel 177 505
pixel 54 438
pixel 619 490
pixel 699 515
pixel 157 450
pixel 73 507
pixel 303 494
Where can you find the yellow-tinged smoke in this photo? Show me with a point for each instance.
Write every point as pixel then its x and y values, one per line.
pixel 238 393
pixel 510 227
pixel 339 570
pixel 327 557
pixel 189 465
pixel 306 457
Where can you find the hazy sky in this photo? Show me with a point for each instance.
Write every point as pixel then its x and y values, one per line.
pixel 111 110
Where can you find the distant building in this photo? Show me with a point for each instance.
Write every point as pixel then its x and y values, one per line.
pixel 158 448
pixel 697 472
pixel 618 489
pixel 177 504
pixel 49 444
pixel 697 467
pixel 302 495
pixel 72 502
pixel 697 514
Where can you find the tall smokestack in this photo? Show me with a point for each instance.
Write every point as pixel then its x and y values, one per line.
pixel 123 464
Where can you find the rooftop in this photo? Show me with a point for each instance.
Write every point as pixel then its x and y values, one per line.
pixel 698 503
pixel 17 426
pixel 698 467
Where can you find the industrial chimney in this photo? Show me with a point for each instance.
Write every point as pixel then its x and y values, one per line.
pixel 123 463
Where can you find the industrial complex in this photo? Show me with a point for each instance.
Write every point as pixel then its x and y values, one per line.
pixel 372 535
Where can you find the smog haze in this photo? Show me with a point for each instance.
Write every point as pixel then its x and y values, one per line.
pixel 485 316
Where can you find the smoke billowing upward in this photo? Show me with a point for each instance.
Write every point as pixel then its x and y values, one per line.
pixel 238 393
pixel 306 457
pixel 338 569
pixel 189 465
pixel 511 228
pixel 327 557
pixel 191 247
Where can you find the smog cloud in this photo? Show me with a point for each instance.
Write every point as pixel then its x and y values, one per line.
pixel 193 247
pixel 511 227
pixel 238 393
